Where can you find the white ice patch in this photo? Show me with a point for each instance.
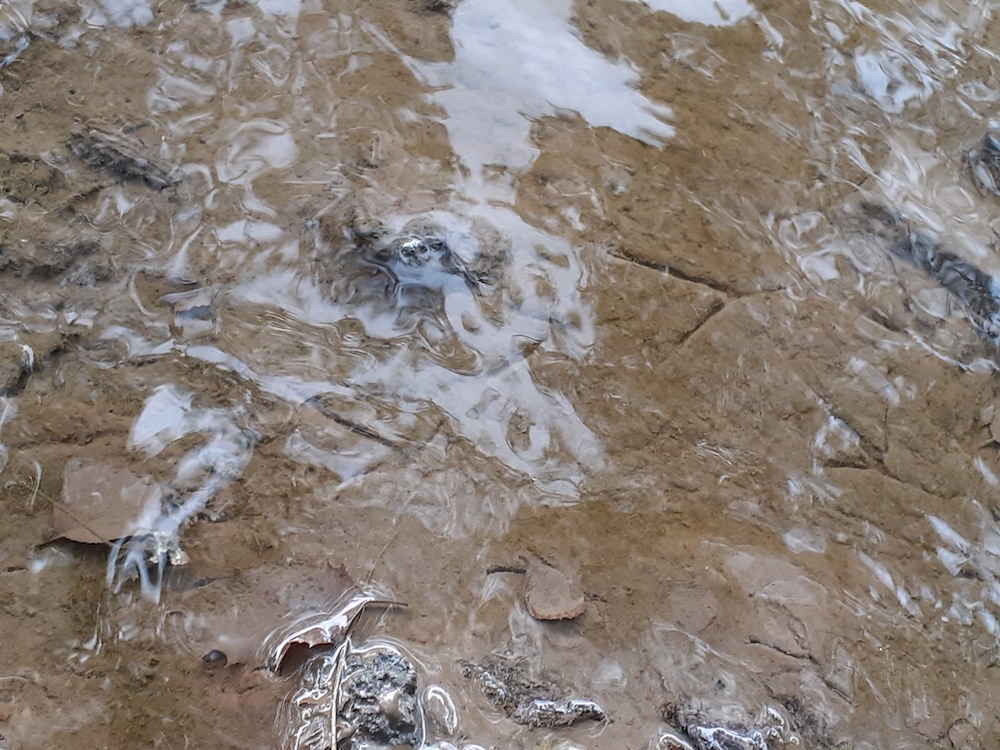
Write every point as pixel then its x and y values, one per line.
pixel 879 570
pixel 287 8
pixel 835 437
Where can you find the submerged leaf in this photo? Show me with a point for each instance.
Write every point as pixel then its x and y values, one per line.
pixel 102 502
pixel 315 629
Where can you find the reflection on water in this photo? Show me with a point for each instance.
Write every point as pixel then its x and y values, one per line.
pixel 445 286
pixel 167 416
pixel 517 62
pixel 447 351
pixel 714 13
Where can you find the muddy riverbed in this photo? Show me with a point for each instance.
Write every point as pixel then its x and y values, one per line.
pixel 656 343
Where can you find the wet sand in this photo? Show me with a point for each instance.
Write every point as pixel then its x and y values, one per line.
pixel 692 380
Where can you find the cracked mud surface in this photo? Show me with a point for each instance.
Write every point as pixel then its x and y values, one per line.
pixel 760 442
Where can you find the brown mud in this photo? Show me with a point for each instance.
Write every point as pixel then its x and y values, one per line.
pixel 760 444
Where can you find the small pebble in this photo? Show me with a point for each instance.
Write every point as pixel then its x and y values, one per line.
pixel 214 659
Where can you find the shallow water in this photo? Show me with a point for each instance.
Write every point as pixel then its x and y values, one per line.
pixel 665 352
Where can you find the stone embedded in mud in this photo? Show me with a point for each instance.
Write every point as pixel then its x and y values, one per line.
pixel 528 701
pixel 723 738
pixel 214 659
pixel 380 701
pixel 549 593
pixel 122 156
pixel 728 728
pixel 984 164
pixel 15 364
pixel 351 700
pixel 543 712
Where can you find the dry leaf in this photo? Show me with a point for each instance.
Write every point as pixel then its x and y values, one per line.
pixel 102 502
pixel 272 614
pixel 549 594
pixel 327 626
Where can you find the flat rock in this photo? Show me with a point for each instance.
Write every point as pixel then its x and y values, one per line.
pixel 550 594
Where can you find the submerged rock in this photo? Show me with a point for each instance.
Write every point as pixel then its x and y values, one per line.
pixel 724 738
pixel 543 712
pixel 379 700
pixel 418 256
pixel 352 700
pixel 121 155
pixel 984 164
pixel 728 729
pixel 978 292
pixel 528 701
